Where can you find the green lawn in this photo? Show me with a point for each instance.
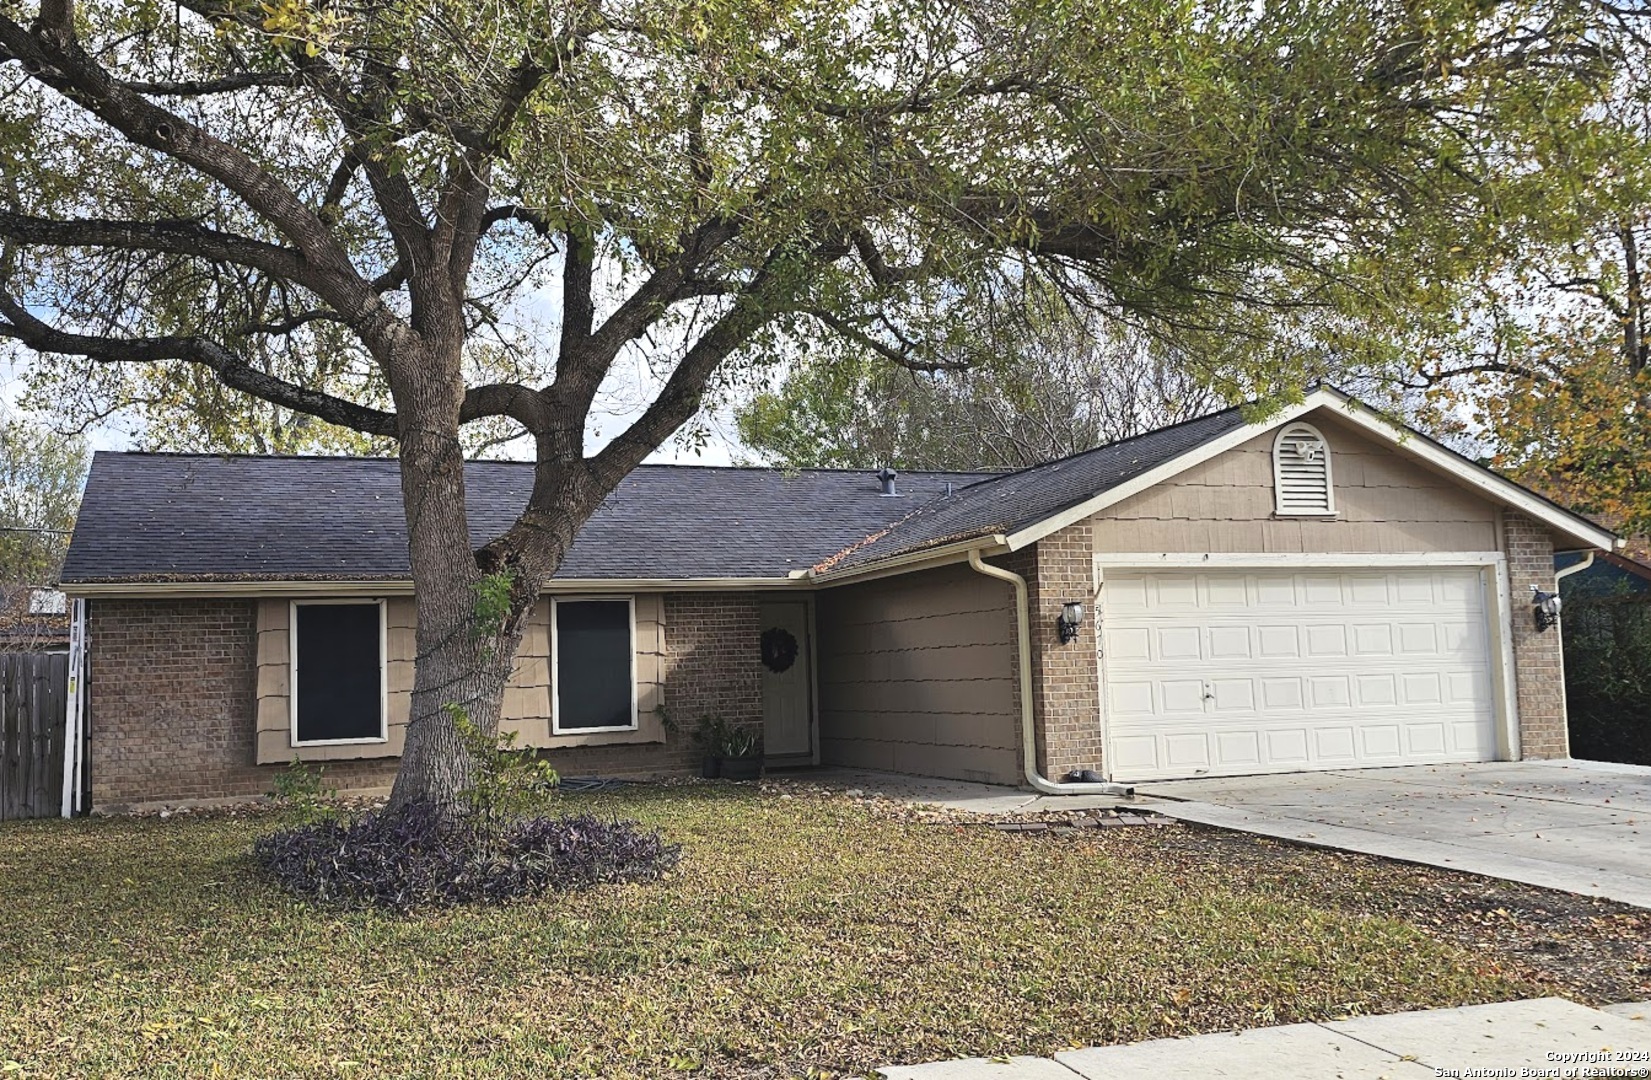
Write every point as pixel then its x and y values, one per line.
pixel 801 936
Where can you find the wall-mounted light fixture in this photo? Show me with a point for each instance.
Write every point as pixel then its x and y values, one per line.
pixel 1545 606
pixel 1071 619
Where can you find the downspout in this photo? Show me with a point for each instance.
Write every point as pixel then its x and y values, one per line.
pixel 1574 568
pixel 1028 733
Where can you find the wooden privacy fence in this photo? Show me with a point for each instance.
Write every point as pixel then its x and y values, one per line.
pixel 33 693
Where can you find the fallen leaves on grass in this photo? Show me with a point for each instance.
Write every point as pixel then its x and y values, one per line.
pixel 808 936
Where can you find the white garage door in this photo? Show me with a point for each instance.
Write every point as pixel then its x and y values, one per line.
pixel 1212 673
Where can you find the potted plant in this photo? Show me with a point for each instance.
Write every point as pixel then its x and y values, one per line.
pixel 711 737
pixel 741 754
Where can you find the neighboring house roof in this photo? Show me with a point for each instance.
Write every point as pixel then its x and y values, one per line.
pixel 189 517
pixel 33 617
pixel 1610 567
pixel 151 518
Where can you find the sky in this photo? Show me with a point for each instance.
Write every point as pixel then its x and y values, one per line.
pixel 620 403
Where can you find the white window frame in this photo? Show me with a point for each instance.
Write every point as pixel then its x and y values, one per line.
pixel 383 670
pixel 1278 474
pixel 556 663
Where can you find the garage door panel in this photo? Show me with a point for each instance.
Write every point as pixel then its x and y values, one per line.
pixel 1281 694
pixel 1180 643
pixel 1275 592
pixel 1368 589
pixel 1418 639
pixel 1181 696
pixel 1334 745
pixel 1266 671
pixel 1278 641
pixel 1135 753
pixel 1238 747
pixel 1373 639
pixel 1377 741
pixel 1230 643
pixel 1329 691
pixel 1376 691
pixel 1232 695
pixel 1428 739
pixel 1176 592
pixel 1187 750
pixel 1327 639
pixel 1128 698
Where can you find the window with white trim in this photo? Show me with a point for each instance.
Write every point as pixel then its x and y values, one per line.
pixel 338 677
pixel 1301 472
pixel 594 671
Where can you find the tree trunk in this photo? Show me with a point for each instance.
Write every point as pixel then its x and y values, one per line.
pixel 465 653
pixel 472 605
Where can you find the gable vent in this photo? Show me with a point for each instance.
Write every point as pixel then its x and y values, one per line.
pixel 1301 471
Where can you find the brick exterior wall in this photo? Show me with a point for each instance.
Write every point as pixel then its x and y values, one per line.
pixel 1538 659
pixel 1066 699
pixel 173 705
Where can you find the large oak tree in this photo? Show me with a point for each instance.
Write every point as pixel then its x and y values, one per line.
pixel 410 216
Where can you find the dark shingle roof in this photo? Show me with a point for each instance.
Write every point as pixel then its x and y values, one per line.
pixel 191 517
pixel 1012 501
pixel 172 517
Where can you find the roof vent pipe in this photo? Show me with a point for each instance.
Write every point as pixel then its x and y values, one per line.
pixel 887 477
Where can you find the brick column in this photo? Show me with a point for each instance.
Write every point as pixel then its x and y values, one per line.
pixel 1066 700
pixel 1538 660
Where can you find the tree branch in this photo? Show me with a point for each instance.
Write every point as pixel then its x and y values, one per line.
pixel 521 403
pixel 55 60
pixel 173 237
pixel 223 84
pixel 232 370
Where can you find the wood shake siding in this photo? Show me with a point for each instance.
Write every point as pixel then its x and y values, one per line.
pixel 1384 503
pixel 916 675
pixel 527 698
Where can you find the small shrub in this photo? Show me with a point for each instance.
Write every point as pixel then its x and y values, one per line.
pixel 413 858
pixel 304 788
pixel 506 780
pixel 742 742
pixel 711 734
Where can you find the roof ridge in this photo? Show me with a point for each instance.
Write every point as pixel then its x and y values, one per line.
pixel 203 455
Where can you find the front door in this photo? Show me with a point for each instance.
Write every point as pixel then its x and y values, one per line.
pixel 787 681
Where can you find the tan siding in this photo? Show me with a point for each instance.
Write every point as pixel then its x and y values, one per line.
pixel 1384 503
pixel 916 675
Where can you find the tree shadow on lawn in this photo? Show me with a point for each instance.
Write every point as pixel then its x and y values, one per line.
pixel 801 936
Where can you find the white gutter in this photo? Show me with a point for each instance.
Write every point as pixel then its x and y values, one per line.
pixel 1028 733
pixel 922 559
pixel 1574 568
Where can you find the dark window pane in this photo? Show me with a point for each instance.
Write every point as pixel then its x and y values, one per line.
pixel 593 664
pixel 338 672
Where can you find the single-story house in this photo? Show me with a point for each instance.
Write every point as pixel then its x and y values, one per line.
pixel 1321 589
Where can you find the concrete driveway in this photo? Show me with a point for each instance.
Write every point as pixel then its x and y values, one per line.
pixel 1581 826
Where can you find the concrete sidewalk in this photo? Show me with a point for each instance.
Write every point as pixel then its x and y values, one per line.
pixel 1546 1037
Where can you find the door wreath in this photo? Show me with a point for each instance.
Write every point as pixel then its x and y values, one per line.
pixel 779 649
